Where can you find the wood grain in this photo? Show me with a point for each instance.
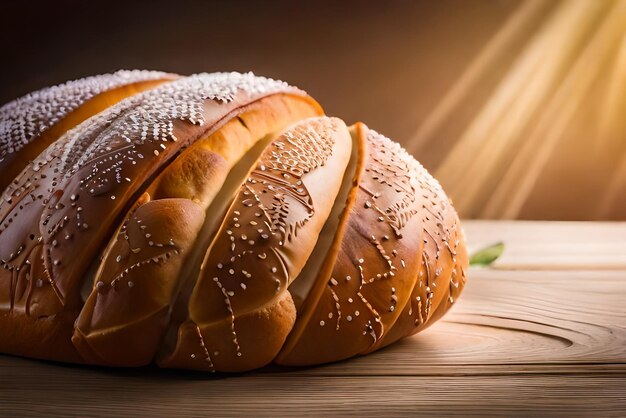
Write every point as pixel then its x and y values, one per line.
pixel 533 335
pixel 141 395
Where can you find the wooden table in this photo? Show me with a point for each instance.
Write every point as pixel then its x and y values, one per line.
pixel 543 330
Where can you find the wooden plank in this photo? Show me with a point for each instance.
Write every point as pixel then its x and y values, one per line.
pixel 537 245
pixel 130 394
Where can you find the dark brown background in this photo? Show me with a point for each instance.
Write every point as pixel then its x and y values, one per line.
pixel 385 63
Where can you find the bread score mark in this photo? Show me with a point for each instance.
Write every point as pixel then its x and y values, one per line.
pixel 275 190
pixel 327 242
pixel 215 213
pixel 263 243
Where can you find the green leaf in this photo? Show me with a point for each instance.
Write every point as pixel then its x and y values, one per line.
pixel 486 256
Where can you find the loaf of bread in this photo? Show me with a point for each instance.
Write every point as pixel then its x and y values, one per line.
pixel 216 222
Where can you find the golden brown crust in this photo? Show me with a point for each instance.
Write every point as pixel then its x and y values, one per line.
pixel 125 315
pixel 264 329
pixel 48 338
pixel 196 175
pixel 446 274
pixel 395 208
